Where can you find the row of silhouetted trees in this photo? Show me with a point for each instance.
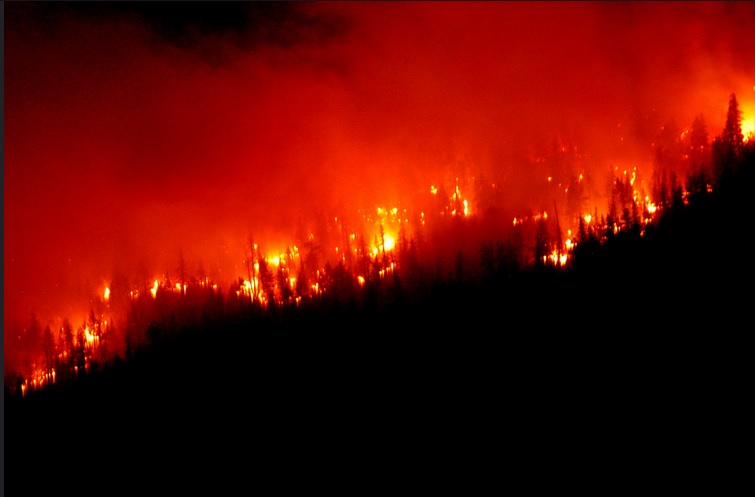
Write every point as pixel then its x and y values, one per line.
pixel 703 215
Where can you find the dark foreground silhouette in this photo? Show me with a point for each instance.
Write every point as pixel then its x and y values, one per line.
pixel 466 379
pixel 630 366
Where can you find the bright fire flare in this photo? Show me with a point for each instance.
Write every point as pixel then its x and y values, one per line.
pixel 652 208
pixel 748 128
pixel 556 257
pixel 389 243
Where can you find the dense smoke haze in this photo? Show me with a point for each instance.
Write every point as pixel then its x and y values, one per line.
pixel 137 133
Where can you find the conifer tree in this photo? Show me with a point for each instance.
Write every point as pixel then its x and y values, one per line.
pixel 732 135
pixel 727 147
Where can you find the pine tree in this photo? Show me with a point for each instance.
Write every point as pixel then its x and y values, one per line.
pixel 732 135
pixel 48 346
pixel 727 147
pixel 698 140
pixel 66 344
pixel 32 344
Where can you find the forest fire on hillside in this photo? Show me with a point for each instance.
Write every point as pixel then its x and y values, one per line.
pixel 273 156
pixel 389 243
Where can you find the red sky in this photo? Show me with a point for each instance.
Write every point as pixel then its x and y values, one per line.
pixel 127 142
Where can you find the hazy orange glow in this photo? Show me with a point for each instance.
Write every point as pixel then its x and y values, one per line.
pixel 748 128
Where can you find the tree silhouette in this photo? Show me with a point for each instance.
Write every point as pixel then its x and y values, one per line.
pixel 202 276
pixel 182 271
pixel 48 345
pixel 588 243
pixel 31 342
pixel 364 260
pixel 727 147
pixel 380 242
pixel 346 243
pixel 313 253
pixel 283 283
pixel 267 278
pixel 542 241
pixel 660 188
pixel 576 200
pixel 342 282
pixel 732 134
pixel 66 341
pixel 80 352
pixel 94 325
pixel 697 182
pixel 302 284
pixel 697 141
pixel 249 261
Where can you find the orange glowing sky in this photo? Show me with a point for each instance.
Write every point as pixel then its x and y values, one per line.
pixel 134 132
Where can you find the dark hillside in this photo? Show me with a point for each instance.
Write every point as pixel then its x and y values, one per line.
pixel 637 350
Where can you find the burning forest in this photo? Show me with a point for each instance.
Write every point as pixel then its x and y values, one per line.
pixel 198 196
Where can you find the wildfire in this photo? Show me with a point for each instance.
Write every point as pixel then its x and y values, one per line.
pixel 556 257
pixel 370 254
pixel 38 379
pixel 457 204
pixel 458 201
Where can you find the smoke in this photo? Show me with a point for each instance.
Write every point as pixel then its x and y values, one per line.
pixel 135 132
